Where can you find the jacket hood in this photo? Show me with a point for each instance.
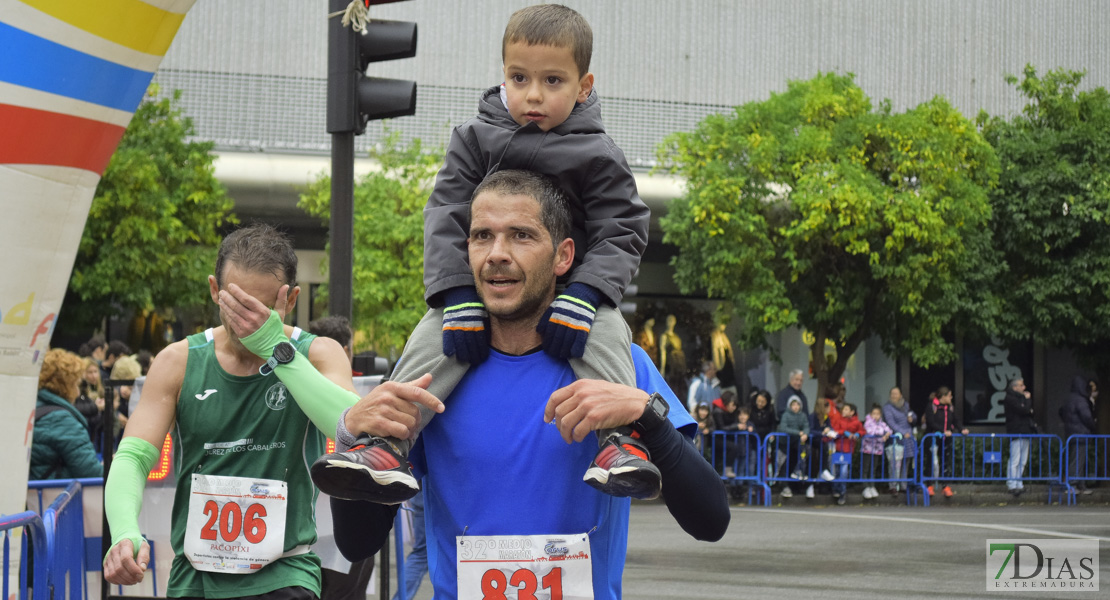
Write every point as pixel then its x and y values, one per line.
pixel 585 118
pixel 1079 385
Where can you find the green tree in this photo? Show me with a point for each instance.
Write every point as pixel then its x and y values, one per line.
pixel 388 286
pixel 153 228
pixel 1052 214
pixel 813 209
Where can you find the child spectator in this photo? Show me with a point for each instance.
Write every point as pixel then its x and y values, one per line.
pixel 820 446
pixel 544 117
pixel 748 443
pixel 900 453
pixel 941 418
pixel 878 433
pixel 704 418
pixel 727 449
pixel 845 429
pixel 794 424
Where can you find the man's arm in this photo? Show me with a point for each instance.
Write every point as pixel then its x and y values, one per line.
pixel 127 560
pixel 692 490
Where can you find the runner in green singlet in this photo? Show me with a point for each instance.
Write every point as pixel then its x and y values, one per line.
pixel 245 430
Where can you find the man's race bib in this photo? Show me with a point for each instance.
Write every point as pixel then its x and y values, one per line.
pixel 236 525
pixel 525 567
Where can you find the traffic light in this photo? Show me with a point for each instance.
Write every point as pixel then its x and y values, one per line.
pixel 353 98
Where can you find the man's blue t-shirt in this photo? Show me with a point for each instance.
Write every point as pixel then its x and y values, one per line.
pixel 492 466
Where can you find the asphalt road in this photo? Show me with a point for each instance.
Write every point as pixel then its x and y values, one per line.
pixel 849 552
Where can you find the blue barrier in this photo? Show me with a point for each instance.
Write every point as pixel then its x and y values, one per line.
pixel 737 457
pixel 818 459
pixel 65 544
pixel 1086 458
pixel 34 530
pixel 989 457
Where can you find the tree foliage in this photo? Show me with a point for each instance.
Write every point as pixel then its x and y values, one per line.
pixel 812 208
pixel 388 287
pixel 1052 212
pixel 153 228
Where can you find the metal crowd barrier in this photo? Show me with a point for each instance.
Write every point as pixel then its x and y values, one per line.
pixel 1086 458
pixel 985 458
pixel 34 530
pixel 65 544
pixel 737 456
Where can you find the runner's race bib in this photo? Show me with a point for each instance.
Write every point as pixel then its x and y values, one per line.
pixel 236 525
pixel 525 567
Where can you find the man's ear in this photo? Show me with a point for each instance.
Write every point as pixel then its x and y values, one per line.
pixel 564 257
pixel 291 300
pixel 214 289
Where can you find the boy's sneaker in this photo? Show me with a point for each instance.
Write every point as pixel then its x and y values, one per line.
pixel 827 476
pixel 372 471
pixel 622 469
pixel 809 492
pixel 786 493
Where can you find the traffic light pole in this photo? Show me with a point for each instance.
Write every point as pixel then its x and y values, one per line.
pixel 342 229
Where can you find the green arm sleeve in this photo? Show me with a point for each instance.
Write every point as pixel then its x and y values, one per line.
pixel 321 399
pixel 123 491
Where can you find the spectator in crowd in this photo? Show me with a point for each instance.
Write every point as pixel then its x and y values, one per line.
pixel 124 368
pixel 845 429
pixel 1018 407
pixel 763 414
pixel 820 446
pixel 61 448
pixel 704 417
pixel 1078 415
pixel 94 348
pixel 940 417
pixel 90 402
pixel 878 432
pixel 705 387
pixel 144 357
pixel 112 353
pixel 793 388
pixel 795 424
pixel 900 453
pixel 338 585
pixel 728 449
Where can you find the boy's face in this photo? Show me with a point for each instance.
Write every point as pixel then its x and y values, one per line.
pixel 742 418
pixel 795 407
pixel 846 411
pixel 542 84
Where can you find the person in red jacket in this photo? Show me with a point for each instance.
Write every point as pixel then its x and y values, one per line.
pixel 845 428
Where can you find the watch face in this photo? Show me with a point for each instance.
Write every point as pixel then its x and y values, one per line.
pixel 284 352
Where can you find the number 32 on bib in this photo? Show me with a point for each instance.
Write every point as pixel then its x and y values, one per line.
pixel 525 567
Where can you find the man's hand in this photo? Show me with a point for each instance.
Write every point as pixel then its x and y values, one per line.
pixel 590 404
pixel 122 567
pixel 245 313
pixel 390 410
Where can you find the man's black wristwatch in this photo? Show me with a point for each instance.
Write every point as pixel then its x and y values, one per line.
pixel 284 353
pixel 655 414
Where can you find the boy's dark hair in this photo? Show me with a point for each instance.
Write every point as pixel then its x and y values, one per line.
pixel 117 348
pixel 851 407
pixel 728 397
pixel 258 248
pixel 554 209
pixel 336 327
pixel 744 410
pixel 552 25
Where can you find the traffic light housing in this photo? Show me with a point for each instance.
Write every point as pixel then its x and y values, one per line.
pixel 353 98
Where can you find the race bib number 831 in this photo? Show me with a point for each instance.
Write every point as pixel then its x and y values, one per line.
pixel 529 567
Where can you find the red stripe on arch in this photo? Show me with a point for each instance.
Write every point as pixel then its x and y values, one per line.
pixel 39 137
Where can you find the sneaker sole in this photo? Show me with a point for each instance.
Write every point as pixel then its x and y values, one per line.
pixel 625 482
pixel 348 481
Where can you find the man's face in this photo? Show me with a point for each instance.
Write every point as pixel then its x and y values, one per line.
pixel 796 381
pixel 542 84
pixel 1019 386
pixel 711 371
pixel 512 256
pixel 263 286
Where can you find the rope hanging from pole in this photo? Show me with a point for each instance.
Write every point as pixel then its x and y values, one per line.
pixel 355 15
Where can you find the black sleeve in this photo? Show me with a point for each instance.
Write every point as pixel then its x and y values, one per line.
pixel 692 490
pixel 361 528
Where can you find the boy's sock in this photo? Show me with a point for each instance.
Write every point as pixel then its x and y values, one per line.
pixel 622 467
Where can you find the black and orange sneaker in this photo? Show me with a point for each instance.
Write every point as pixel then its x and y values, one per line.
pixel 622 469
pixel 372 470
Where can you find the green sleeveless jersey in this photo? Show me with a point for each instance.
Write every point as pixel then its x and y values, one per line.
pixel 244 427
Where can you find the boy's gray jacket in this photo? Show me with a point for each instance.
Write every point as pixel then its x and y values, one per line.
pixel 610 221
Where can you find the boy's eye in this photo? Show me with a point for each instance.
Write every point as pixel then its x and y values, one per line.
pixel 553 80
pixel 518 78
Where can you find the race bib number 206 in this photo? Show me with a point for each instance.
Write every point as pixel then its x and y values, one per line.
pixel 235 524
pixel 526 567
